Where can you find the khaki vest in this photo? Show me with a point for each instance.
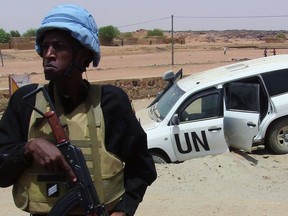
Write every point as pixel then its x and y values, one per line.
pixel 37 190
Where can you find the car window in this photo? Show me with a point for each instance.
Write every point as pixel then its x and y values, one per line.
pixel 276 81
pixel 201 108
pixel 243 96
pixel 167 101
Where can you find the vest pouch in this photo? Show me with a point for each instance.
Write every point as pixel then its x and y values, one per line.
pixel 113 187
pixel 37 192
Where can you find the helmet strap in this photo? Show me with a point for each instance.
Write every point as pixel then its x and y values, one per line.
pixel 74 64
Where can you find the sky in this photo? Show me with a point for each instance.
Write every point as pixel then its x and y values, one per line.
pixel 132 15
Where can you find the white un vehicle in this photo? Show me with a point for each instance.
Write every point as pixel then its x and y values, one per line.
pixel 240 105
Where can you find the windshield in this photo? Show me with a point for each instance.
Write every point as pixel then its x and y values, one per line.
pixel 167 101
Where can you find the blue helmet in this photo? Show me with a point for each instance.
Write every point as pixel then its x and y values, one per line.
pixel 78 21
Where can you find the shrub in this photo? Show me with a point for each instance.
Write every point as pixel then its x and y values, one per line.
pixel 281 36
pixel 30 33
pixel 126 35
pixel 107 34
pixel 4 36
pixel 155 32
pixel 15 33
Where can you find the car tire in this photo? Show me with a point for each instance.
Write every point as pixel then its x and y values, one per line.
pixel 158 159
pixel 278 137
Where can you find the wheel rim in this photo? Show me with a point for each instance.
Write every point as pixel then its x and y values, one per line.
pixel 282 136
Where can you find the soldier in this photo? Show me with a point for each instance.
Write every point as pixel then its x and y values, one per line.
pixel 67 41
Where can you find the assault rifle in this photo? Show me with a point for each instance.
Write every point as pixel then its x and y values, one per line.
pixel 83 191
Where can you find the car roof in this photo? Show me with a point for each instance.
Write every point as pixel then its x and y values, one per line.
pixel 219 75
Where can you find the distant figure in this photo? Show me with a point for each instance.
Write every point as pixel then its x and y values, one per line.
pixel 265 52
pixel 274 51
pixel 1 57
pixel 225 50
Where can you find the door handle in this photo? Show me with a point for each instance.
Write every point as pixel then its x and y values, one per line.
pixel 213 130
pixel 251 124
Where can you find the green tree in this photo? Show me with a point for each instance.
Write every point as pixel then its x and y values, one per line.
pixel 155 32
pixel 107 34
pixel 4 36
pixel 15 33
pixel 30 33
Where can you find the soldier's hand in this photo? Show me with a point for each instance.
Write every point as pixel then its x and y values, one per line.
pixel 47 155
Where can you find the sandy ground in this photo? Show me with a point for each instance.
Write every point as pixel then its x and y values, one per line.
pixel 234 183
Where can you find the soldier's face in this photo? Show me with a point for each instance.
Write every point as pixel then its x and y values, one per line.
pixel 57 53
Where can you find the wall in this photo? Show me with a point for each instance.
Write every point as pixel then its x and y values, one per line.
pixel 24 43
pixel 138 88
pixel 139 41
pixel 21 43
pixel 135 88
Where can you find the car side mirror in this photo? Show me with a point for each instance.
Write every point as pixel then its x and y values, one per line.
pixel 175 120
pixel 168 76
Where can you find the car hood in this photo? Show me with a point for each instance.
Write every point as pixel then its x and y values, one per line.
pixel 146 122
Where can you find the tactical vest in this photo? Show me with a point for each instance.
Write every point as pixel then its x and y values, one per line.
pixel 37 190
